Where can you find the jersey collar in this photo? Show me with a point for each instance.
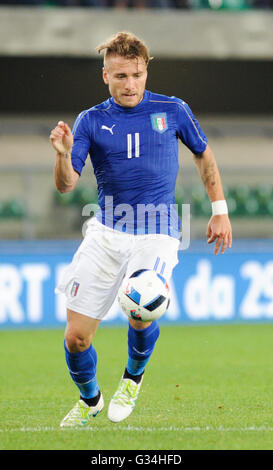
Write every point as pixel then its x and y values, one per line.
pixel 135 108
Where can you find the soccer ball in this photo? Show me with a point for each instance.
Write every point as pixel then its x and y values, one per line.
pixel 144 296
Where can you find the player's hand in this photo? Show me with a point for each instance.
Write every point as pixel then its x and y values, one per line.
pixel 219 230
pixel 61 138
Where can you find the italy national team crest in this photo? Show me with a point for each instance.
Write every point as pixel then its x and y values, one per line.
pixel 159 122
pixel 74 289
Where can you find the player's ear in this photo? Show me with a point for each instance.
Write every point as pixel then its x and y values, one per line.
pixel 105 76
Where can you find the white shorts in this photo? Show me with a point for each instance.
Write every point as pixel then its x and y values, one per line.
pixel 105 256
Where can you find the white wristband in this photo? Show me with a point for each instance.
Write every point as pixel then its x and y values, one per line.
pixel 219 207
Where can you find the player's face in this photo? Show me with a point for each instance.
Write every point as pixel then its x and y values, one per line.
pixel 126 79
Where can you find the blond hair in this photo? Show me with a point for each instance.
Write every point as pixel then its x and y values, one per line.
pixel 125 44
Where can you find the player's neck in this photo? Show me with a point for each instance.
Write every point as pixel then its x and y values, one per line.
pixel 130 108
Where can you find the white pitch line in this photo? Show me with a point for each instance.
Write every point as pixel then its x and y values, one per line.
pixel 142 429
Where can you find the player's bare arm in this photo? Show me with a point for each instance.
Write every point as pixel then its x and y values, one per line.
pixel 219 226
pixel 61 139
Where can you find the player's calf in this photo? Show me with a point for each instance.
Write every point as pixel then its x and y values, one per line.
pixel 141 343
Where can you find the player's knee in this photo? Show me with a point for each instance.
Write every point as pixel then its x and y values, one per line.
pixel 76 342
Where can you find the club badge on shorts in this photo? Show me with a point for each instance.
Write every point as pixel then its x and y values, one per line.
pixel 159 122
pixel 75 288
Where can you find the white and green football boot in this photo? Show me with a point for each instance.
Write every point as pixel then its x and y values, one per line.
pixel 124 399
pixel 81 413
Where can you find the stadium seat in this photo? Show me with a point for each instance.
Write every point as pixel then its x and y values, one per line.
pixel 251 206
pixel 232 205
pixel 239 194
pixel 269 207
pixel 13 209
pixel 66 199
pixel 264 192
pixel 1 209
pixel 221 4
pixel 79 197
pixel 85 195
pixel 264 195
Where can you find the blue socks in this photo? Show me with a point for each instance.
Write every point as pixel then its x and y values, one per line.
pixel 82 368
pixel 141 344
pixel 82 365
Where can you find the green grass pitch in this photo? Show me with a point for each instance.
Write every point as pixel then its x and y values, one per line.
pixel 206 387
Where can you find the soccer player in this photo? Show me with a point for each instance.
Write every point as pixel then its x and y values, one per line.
pixel 132 140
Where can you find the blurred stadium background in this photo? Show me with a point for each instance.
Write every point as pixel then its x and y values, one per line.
pixel 216 55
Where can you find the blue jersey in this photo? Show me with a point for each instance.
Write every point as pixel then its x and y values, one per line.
pixel 134 153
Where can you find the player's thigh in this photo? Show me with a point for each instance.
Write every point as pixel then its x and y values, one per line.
pixel 92 279
pixel 96 282
pixel 158 253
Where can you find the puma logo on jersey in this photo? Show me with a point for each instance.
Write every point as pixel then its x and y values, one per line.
pixel 110 129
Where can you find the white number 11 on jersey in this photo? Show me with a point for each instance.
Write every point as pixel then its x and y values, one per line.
pixel 129 145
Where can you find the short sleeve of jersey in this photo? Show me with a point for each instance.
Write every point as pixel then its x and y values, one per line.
pixel 82 141
pixel 189 130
